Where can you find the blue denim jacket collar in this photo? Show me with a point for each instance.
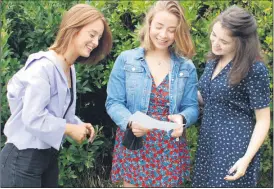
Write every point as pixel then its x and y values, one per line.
pixel 175 63
pixel 141 54
pixel 174 58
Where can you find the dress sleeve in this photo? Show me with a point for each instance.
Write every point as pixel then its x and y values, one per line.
pixel 257 83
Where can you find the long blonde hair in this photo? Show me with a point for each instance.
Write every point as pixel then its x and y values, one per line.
pixel 183 45
pixel 72 22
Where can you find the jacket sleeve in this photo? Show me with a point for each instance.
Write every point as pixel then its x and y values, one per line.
pixel 189 103
pixel 116 95
pixel 35 115
pixel 77 120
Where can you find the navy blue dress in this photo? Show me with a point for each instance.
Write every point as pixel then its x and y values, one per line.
pixel 227 125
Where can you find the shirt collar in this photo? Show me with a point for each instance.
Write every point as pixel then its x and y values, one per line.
pixel 141 55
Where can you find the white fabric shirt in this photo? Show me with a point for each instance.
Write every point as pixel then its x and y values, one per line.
pixel 38 97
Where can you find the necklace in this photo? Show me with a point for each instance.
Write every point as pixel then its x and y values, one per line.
pixel 67 71
pixel 66 61
pixel 159 63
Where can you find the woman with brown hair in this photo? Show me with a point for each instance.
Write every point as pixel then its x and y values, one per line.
pixel 42 100
pixel 160 80
pixel 234 90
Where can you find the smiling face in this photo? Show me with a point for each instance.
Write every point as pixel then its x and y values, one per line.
pixel 222 43
pixel 88 38
pixel 162 30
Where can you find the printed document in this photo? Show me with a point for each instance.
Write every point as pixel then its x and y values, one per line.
pixel 150 123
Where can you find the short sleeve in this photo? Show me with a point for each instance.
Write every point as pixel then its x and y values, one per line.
pixel 257 83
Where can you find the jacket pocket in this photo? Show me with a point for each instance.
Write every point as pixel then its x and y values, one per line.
pixel 133 75
pixel 134 81
pixel 183 75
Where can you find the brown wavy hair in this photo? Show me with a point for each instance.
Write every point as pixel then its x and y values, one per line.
pixel 243 27
pixel 72 22
pixel 183 45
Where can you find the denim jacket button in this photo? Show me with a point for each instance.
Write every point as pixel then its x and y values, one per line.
pixel 181 74
pixel 133 69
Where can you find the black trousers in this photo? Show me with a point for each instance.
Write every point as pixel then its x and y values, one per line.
pixel 29 168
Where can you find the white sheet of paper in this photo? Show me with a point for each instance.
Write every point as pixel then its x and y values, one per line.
pixel 151 123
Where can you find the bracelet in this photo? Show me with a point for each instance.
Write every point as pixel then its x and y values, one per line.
pixel 184 120
pixel 129 125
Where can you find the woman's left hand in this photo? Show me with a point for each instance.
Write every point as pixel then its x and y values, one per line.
pixel 176 118
pixel 91 132
pixel 138 130
pixel 240 167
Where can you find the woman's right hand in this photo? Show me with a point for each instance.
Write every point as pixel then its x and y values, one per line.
pixel 200 98
pixel 79 132
pixel 138 130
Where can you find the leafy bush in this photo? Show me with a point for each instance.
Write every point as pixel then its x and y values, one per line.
pixel 30 26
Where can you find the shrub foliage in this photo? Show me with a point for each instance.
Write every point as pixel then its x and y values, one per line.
pixel 30 26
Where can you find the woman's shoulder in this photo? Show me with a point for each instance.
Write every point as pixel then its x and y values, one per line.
pixel 40 63
pixel 210 62
pixel 183 61
pixel 131 56
pixel 258 68
pixel 135 53
pixel 41 59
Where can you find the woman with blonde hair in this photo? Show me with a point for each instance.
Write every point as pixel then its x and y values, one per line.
pixel 160 80
pixel 42 100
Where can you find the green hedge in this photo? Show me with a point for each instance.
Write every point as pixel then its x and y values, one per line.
pixel 30 26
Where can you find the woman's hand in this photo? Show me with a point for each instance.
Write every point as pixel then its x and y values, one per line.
pixel 240 167
pixel 178 131
pixel 91 132
pixel 200 99
pixel 138 130
pixel 79 132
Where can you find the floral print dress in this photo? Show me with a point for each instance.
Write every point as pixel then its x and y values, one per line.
pixel 162 161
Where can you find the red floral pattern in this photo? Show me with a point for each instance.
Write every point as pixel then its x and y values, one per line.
pixel 163 161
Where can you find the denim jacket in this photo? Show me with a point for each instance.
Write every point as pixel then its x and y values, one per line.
pixel 130 82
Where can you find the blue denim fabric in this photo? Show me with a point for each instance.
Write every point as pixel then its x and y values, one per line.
pixel 130 82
